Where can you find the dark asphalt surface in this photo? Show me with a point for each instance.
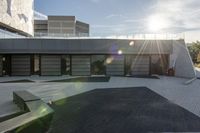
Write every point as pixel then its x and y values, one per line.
pixel 122 110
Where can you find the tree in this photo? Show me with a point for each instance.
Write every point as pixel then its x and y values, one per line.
pixel 194 50
pixel 198 58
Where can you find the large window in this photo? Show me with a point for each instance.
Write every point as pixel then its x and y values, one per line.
pixel 6 62
pixel 98 64
pixel 129 62
pixel 159 64
pixel 66 65
pixel 137 65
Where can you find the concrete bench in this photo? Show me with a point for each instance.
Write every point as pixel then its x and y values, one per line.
pixel 37 118
pixel 21 97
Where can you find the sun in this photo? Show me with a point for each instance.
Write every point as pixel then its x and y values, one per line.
pixel 157 23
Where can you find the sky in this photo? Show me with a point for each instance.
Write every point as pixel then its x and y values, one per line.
pixel 127 17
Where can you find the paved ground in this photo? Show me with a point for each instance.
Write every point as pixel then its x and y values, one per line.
pixel 121 110
pixel 198 72
pixel 187 96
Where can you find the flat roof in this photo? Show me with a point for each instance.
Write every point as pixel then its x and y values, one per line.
pixel 85 46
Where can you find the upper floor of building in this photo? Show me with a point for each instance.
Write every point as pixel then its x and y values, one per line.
pixel 61 26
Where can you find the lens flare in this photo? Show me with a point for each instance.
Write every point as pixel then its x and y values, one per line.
pixel 109 60
pixel 120 52
pixel 131 43
pixel 157 23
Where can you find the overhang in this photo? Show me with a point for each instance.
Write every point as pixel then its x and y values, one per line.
pixel 84 46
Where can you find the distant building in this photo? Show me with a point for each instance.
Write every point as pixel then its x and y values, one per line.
pixel 61 26
pixel 16 18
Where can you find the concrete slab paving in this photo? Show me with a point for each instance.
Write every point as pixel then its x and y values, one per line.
pixel 198 72
pixel 174 89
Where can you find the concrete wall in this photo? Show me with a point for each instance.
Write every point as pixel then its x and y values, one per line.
pixel 17 15
pixel 181 60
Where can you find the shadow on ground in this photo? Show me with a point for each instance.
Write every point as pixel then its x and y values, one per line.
pixel 19 81
pixel 122 110
pixel 84 79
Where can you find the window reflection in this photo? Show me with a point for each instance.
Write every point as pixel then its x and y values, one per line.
pixel 159 64
pixel 98 64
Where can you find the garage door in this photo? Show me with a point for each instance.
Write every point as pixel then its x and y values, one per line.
pixel 1 65
pixel 81 65
pixel 140 65
pixel 115 65
pixel 20 65
pixel 50 65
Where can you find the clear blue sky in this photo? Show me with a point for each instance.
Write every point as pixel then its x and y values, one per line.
pixel 122 17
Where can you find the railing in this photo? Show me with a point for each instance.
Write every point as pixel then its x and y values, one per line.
pixel 58 35
pixel 130 36
pixel 164 36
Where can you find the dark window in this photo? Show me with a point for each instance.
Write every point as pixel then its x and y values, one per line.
pixel 98 65
pixel 65 65
pixel 129 61
pixel 137 65
pixel 6 61
pixel 159 64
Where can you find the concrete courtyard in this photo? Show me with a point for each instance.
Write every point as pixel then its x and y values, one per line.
pixel 174 89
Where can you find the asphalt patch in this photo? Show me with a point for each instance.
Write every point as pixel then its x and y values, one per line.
pixel 121 110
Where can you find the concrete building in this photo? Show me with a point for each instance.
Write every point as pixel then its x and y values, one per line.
pixel 52 55
pixel 61 26
pixel 86 57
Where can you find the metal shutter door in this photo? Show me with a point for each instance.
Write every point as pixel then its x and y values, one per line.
pixel 1 66
pixel 116 66
pixel 50 65
pixel 80 65
pixel 20 65
pixel 140 65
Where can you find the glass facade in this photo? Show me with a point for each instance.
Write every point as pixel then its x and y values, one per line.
pixel 98 65
pixel 159 64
